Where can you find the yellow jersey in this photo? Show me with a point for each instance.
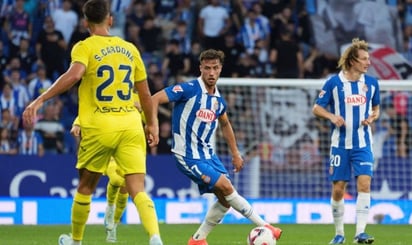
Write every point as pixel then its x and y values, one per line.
pixel 106 101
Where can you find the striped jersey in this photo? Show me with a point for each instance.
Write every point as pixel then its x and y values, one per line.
pixel 29 142
pixel 194 118
pixel 353 101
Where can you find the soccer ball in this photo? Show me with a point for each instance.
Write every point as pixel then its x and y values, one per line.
pixel 261 236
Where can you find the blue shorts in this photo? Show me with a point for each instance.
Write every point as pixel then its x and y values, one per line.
pixel 342 161
pixel 204 172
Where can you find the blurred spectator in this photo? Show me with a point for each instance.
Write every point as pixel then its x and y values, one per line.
pixel 3 57
pixel 119 10
pixel 133 35
pixel 65 20
pixel 151 36
pixel 9 101
pixel 51 49
pixel 213 22
pixel 29 141
pixel 7 146
pixel 280 22
pixel 233 50
pixel 27 57
pixel 136 16
pixel 399 129
pixel 193 56
pixel 20 92
pixel 51 130
pixel 261 19
pixel 165 13
pixel 175 62
pixel 79 34
pixel 14 64
pixel 9 122
pixel 286 57
pixel 251 31
pixel 39 83
pixel 187 13
pixel 180 34
pixel 247 66
pixel 18 25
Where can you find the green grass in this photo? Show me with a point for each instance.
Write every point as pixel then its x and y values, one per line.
pixel 223 234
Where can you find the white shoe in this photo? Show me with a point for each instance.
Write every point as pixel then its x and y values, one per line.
pixel 155 240
pixel 111 235
pixel 109 217
pixel 65 239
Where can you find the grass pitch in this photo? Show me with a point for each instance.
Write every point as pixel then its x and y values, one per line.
pixel 223 234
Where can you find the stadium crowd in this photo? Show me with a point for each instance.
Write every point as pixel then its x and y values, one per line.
pixel 266 39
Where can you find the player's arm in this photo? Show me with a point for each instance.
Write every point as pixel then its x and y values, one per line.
pixel 62 84
pixel 321 112
pixel 152 125
pixel 229 136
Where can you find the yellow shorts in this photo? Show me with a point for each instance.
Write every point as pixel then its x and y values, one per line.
pixel 128 148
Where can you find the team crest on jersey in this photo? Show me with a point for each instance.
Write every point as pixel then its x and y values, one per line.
pixel 215 106
pixel 322 93
pixel 177 88
pixel 365 88
pixel 206 179
pixel 355 100
pixel 206 115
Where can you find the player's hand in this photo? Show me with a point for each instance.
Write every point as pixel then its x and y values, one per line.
pixel 75 130
pixel 369 120
pixel 338 121
pixel 30 113
pixel 237 162
pixel 152 135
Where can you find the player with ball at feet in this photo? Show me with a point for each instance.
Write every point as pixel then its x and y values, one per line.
pixel 198 109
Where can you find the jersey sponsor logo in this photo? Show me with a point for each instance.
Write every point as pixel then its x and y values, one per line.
pixel 206 115
pixel 177 88
pixel 355 100
pixel 108 109
pixel 322 93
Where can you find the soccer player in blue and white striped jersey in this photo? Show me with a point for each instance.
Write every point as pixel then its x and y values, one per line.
pixel 198 109
pixel 350 101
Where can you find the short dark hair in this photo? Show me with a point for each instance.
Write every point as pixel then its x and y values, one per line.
pixel 211 54
pixel 96 11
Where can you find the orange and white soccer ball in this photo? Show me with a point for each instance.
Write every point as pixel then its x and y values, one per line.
pixel 261 236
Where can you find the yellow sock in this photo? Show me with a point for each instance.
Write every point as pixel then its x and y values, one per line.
pixel 120 206
pixel 80 213
pixel 147 213
pixel 111 193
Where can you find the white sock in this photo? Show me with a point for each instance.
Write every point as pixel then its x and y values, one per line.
pixel 338 211
pixel 242 206
pixel 363 203
pixel 213 217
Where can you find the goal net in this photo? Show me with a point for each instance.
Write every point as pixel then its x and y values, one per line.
pixel 287 149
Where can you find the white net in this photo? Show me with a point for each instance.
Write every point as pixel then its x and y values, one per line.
pixel 287 148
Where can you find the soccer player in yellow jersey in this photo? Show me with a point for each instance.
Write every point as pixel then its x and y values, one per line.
pixel 116 192
pixel 110 69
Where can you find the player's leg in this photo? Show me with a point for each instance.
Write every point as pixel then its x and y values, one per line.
pixel 363 170
pixel 81 206
pixel 131 159
pixel 227 194
pixel 339 175
pixel 112 190
pixel 92 160
pixel 145 206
